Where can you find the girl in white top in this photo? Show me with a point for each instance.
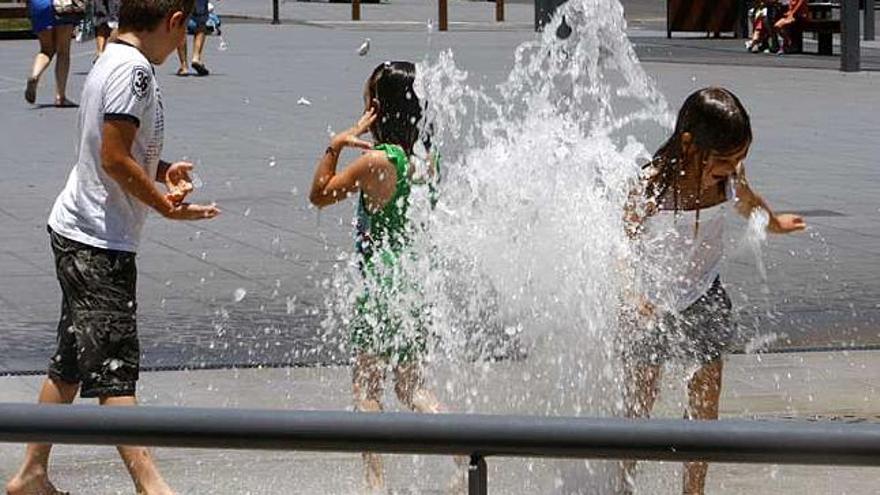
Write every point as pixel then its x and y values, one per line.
pixel 679 211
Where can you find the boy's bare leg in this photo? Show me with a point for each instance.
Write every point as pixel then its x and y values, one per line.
pixel 33 476
pixel 368 378
pixel 410 389
pixel 139 460
pixel 181 57
pixel 704 392
pixel 640 393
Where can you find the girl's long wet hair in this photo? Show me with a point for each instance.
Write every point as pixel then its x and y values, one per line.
pixel 716 120
pixel 399 122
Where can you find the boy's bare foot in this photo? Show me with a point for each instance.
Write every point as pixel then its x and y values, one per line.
pixel 182 71
pixel 30 91
pixel 32 483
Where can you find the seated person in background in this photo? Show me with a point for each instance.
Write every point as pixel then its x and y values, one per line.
pixel 764 15
pixel 790 24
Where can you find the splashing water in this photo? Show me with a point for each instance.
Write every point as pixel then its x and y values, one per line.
pixel 523 257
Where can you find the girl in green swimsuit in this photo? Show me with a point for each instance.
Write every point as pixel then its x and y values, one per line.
pixel 388 328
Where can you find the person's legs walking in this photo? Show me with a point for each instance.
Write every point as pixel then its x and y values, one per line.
pixel 138 460
pixel 41 62
pixel 63 36
pixel 181 57
pixel 704 393
pixel 33 476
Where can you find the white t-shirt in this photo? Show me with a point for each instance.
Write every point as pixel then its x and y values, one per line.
pixel 93 209
pixel 685 262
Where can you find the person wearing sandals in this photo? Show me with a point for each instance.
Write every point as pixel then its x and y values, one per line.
pixel 200 16
pixel 54 34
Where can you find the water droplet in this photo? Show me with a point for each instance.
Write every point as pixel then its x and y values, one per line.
pixel 272 161
pixel 239 294
pixel 302 101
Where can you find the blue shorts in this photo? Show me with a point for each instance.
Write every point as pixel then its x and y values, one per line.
pixel 43 16
pixel 200 13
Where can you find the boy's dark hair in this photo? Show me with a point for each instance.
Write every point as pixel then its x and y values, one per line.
pixel 716 120
pixel 390 88
pixel 145 15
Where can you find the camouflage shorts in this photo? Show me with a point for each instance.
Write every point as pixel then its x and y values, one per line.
pixel 97 333
pixel 699 334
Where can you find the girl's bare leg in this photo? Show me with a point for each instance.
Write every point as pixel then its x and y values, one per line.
pixel 62 63
pixel 640 393
pixel 41 62
pixel 410 389
pixel 32 477
pixel 704 392
pixel 368 378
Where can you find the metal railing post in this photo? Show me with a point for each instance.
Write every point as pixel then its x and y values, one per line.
pixel 443 15
pixel 478 476
pixel 275 14
pixel 869 20
pixel 499 10
pixel 850 49
pixel 355 10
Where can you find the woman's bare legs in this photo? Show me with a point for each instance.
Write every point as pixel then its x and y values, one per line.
pixel 41 62
pixel 704 392
pixel 640 393
pixel 368 378
pixel 63 35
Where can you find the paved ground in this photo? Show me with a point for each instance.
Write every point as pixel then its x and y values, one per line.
pixel 814 153
pixel 818 386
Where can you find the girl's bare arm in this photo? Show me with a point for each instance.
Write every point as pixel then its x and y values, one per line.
pixel 748 200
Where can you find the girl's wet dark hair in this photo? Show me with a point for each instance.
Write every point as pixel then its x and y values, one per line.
pixel 390 89
pixel 716 120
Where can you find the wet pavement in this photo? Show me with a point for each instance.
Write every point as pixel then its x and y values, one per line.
pixel 817 386
pixel 815 152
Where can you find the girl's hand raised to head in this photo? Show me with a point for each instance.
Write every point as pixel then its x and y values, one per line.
pixel 351 137
pixel 786 223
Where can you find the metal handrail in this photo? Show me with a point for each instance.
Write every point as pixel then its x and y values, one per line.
pixel 474 435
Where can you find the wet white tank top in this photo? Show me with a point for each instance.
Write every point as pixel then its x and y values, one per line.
pixel 684 260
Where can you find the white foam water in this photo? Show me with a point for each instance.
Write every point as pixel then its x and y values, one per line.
pixel 524 259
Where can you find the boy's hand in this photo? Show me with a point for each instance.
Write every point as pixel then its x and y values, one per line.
pixel 178 182
pixel 786 223
pixel 187 211
pixel 351 137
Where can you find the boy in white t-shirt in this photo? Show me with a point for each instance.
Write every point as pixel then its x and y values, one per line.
pixel 95 227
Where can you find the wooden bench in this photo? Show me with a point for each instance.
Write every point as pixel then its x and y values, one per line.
pixel 822 24
pixel 13 11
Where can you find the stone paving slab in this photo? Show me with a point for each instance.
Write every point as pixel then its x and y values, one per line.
pixel 824 386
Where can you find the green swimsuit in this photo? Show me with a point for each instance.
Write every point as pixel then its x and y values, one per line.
pixel 388 319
